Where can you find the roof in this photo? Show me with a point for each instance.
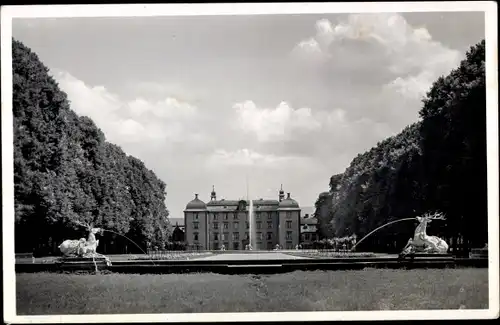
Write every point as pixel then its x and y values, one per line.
pixel 196 204
pixel 307 210
pixel 288 203
pixel 258 202
pixel 308 221
pixel 242 205
pixel 178 221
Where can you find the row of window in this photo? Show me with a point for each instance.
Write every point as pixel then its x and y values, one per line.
pixel 234 216
pixel 236 225
pixel 236 236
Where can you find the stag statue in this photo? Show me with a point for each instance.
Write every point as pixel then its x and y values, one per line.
pixel 83 247
pixel 421 242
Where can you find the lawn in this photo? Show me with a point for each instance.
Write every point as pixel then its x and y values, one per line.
pixel 173 255
pixel 330 254
pixel 369 289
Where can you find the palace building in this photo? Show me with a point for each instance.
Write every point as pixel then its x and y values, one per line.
pixel 225 222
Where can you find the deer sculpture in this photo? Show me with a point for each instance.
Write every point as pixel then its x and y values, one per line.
pixel 421 242
pixel 82 247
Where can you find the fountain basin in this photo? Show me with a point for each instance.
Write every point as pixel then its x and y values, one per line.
pixel 271 264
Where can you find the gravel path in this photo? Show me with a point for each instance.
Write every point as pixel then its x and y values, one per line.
pixel 251 257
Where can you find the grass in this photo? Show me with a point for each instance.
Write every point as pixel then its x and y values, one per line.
pixel 180 255
pixel 326 254
pixel 369 289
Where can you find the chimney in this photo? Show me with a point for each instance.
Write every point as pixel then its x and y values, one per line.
pixel 196 196
pixel 288 195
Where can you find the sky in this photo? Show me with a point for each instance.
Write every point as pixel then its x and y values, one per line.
pixel 247 103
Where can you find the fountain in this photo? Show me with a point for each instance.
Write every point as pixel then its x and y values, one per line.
pixel 75 250
pixel 85 249
pixel 251 230
pixel 421 242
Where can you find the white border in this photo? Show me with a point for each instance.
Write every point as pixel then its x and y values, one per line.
pixel 134 10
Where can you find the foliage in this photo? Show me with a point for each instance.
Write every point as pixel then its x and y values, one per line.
pixel 65 171
pixel 436 164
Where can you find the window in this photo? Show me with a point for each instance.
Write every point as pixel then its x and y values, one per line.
pixel 226 225
pixel 225 236
pixel 269 235
pixel 288 214
pixel 216 236
pixel 195 215
pixel 259 236
pixel 247 225
pixel 236 236
pixel 216 216
pixel 313 237
pixel 270 245
pixel 236 246
pixel 195 225
pixel 257 215
pixel 269 215
pixel 289 224
pixel 259 225
pixel 235 216
pixel 269 225
pixel 216 246
pixel 307 237
pixel 289 245
pixel 288 235
pixel 195 236
pixel 226 216
pixel 236 225
pixel 216 225
pixel 247 236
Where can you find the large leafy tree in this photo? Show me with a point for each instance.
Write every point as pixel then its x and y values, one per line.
pixel 65 173
pixel 438 164
pixel 454 146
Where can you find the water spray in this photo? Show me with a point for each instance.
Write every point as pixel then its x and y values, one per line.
pixel 131 242
pixel 387 224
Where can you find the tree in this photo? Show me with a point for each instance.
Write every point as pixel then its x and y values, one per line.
pixel 454 146
pixel 66 173
pixel 437 164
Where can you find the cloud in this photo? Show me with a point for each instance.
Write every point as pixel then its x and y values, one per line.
pixel 246 158
pixel 276 124
pixel 383 45
pixel 130 121
pixel 349 82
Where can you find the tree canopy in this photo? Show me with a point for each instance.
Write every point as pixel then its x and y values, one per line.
pixel 66 171
pixel 436 164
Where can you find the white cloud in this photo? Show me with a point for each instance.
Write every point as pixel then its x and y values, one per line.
pixel 274 124
pixel 169 108
pixel 408 54
pixel 131 121
pixel 246 158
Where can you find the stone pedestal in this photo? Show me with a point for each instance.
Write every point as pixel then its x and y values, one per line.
pixel 479 253
pixel 83 263
pixel 426 256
